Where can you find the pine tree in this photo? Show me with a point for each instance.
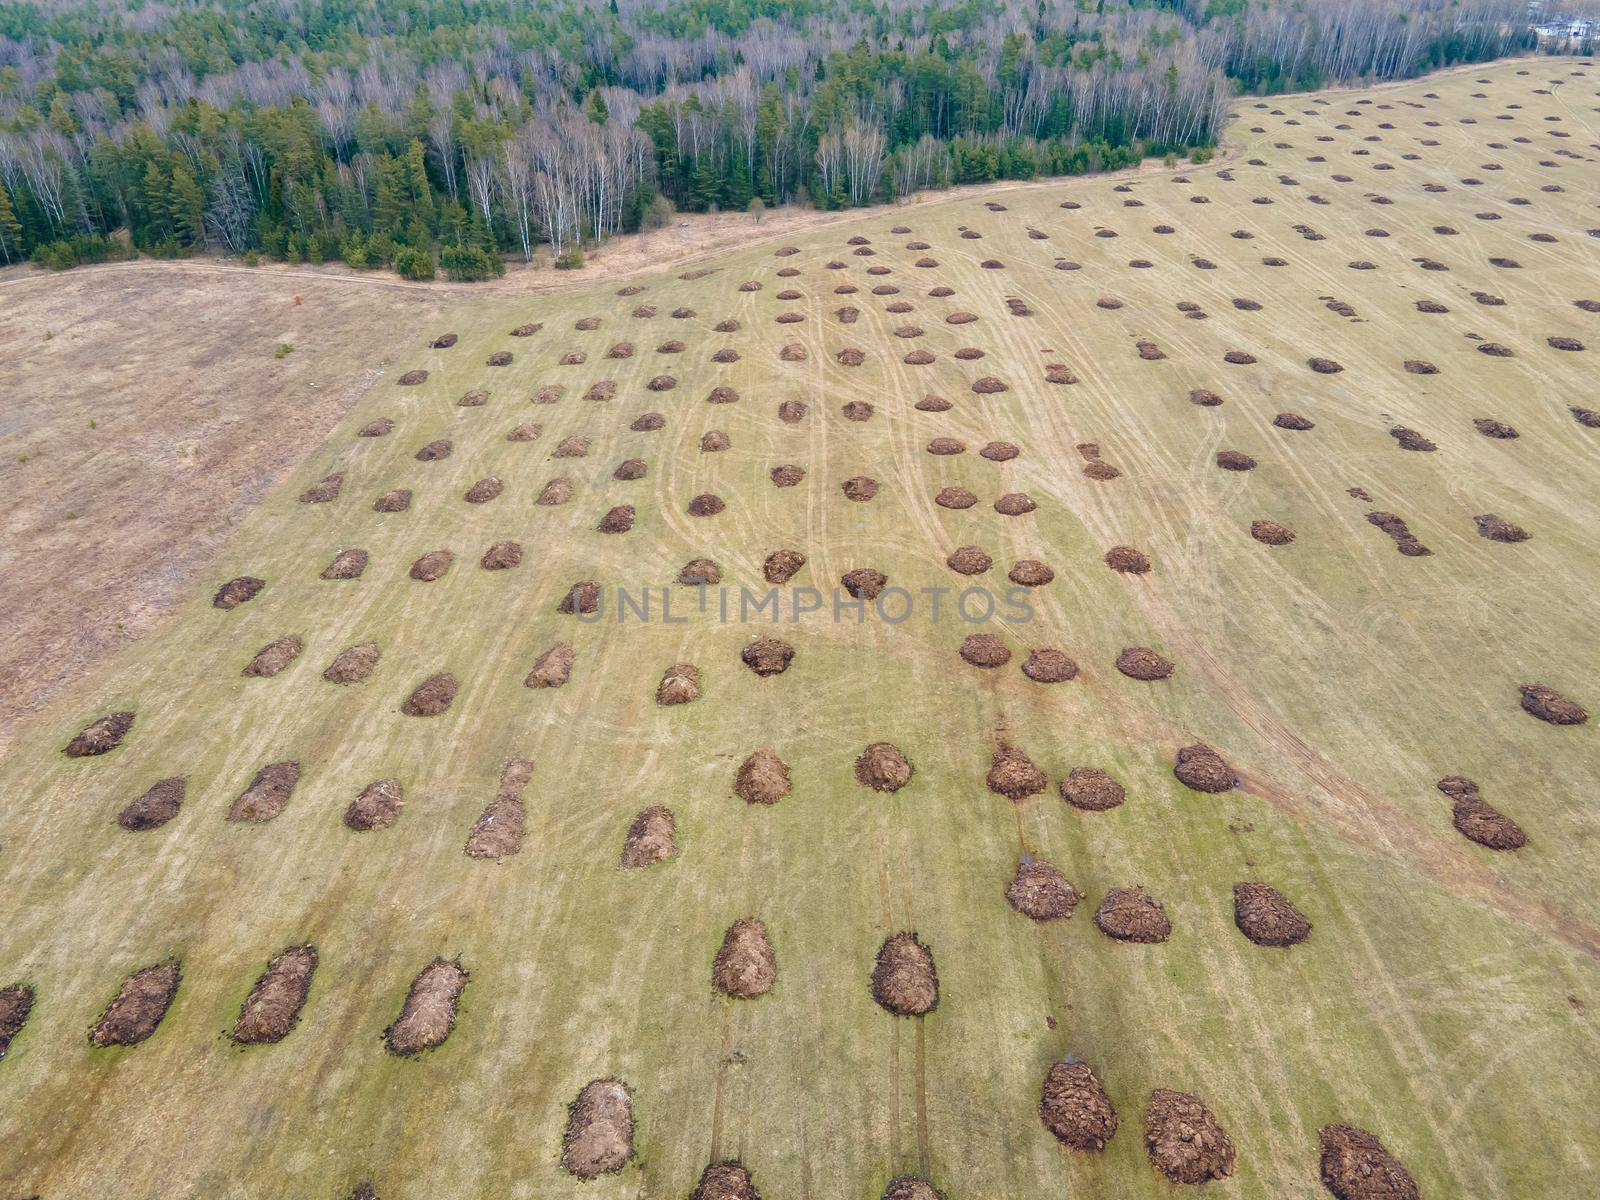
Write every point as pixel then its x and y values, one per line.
pixel 10 229
pixel 188 206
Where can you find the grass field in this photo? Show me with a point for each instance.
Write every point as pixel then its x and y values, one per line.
pixel 1447 997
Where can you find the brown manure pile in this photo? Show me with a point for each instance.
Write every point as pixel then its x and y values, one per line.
pixel 1270 533
pixel 432 696
pixel 782 565
pixel 726 1180
pixel 745 965
pixel 1410 439
pixel 444 341
pixel 429 1013
pixel 857 410
pixel 323 491
pixel 572 447
pixel 630 469
pixel 412 378
pixel 273 657
pixel 501 556
pixel 988 385
pixel 498 831
pixel 1131 915
pixel 763 778
pixel 484 491
pixel 1075 1107
pixel 353 664
pixel 1041 892
pixel 706 505
pixel 377 807
pixel 984 650
pixel 969 560
pixel 904 980
pixel 581 597
pixel 347 564
pixel 598 1139
pixel 1586 417
pixel 1490 428
pixel 553 668
pixel 1417 366
pixel 1200 768
pixel 16 1002
pixel 864 583
pixel 1204 397
pixel 1235 460
pixel 1127 560
pixel 1289 420
pixel 237 591
pixel 956 497
pixel 1478 820
pixel 378 428
pixel 767 656
pixel 617 520
pixel 1405 541
pixel 999 451
pixel 557 491
pixel 267 794
pixel 1324 366
pixel 1356 1166
pixel 911 1187
pixel 1089 789
pixel 1184 1140
pixel 1030 572
pixel 432 565
pixel 648 422
pixel 1014 504
pixel 652 838
pixel 1012 774
pixel 1550 705
pixel 787 475
pixel 156 806
pixel 1265 916
pixel 138 1006
pixel 1498 529
pixel 883 768
pixel 1143 663
pixel 394 501
pixel 699 571
pixel 680 684
pixel 273 1006
pixel 435 450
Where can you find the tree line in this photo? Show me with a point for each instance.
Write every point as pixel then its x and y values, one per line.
pixel 450 134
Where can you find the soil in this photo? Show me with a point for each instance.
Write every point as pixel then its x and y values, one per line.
pixel 956 498
pixel 984 650
pixel 1075 1107
pixel 273 1006
pixel 652 838
pixel 1200 768
pixel 267 794
pixel 1141 662
pixel 377 807
pixel 767 656
pixel 727 1180
pixel 1130 915
pixel 1049 665
pixel 553 668
pixel 352 665
pixel 1265 916
pixel 680 684
pixel 1014 504
pixel 273 657
pixel 1235 460
pixel 1550 705
pixel 432 696
pixel 1289 420
pixel 968 560
pixel 501 556
pixel 429 1013
pixel 617 520
pixel 782 565
pixel 581 597
pixel 763 778
pixel 394 501
pixel 1089 789
pixel 1184 1140
pixel 16 1002
pixel 1012 774
pixel 864 583
pixel 1498 529
pixel 484 491
pixel 347 564
pixel 432 565
pixel 557 491
pixel 1041 892
pixel 498 831
pixel 237 591
pixel 883 768
pixel 1127 560
pixel 138 1006
pixel 1478 820
pixel 158 805
pixel 1355 1165
pixel 904 980
pixel 745 965
pixel 324 491
pixel 1270 533
pixel 706 505
pixel 1030 572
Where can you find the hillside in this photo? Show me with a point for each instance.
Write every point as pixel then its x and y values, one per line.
pixel 1371 324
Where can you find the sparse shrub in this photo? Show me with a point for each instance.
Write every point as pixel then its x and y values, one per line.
pixel 570 259
pixel 416 265
pixel 283 350
pixel 250 258
pixel 658 213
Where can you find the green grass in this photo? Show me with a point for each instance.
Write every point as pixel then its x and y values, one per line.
pixel 1444 998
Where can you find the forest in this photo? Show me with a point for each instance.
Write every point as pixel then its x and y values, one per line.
pixel 450 135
